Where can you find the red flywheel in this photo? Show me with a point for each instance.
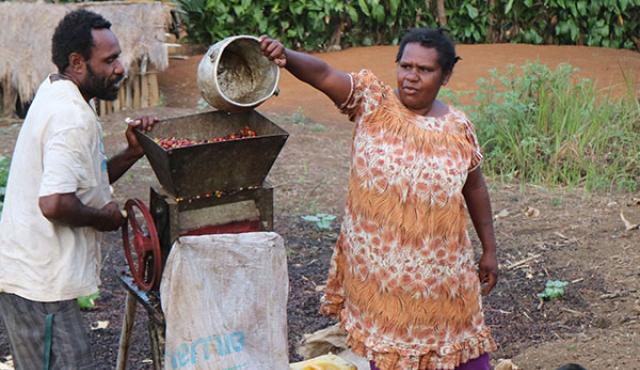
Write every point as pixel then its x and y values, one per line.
pixel 145 259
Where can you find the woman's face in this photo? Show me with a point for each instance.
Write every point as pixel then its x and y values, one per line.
pixel 419 77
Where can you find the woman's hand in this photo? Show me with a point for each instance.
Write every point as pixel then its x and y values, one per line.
pixel 273 50
pixel 476 196
pixel 488 272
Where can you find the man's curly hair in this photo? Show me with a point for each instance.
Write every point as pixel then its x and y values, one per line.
pixel 73 35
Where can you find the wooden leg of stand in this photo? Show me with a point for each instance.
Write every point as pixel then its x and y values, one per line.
pixel 125 335
pixel 156 333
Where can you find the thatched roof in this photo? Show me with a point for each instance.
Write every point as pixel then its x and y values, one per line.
pixel 27 28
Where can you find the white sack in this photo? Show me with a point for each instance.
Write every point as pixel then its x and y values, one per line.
pixel 224 298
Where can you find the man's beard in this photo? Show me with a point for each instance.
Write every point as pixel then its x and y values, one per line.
pixel 101 88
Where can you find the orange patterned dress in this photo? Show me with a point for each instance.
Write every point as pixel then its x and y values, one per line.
pixel 403 279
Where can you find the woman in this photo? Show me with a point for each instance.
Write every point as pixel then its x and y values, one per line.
pixel 402 281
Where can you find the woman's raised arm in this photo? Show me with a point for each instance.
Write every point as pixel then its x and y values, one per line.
pixel 307 68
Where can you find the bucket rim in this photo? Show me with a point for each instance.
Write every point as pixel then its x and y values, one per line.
pixel 225 42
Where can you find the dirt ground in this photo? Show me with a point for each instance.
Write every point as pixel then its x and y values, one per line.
pixel 576 237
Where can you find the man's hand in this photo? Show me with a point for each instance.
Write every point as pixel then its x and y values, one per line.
pixel 68 209
pixel 273 50
pixel 488 272
pixel 121 162
pixel 144 124
pixel 111 218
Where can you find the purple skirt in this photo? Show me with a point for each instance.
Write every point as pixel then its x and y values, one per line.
pixel 480 363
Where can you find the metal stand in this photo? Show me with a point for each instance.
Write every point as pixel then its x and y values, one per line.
pixel 156 326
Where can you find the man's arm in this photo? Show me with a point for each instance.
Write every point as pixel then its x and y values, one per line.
pixel 121 162
pixel 476 196
pixel 68 209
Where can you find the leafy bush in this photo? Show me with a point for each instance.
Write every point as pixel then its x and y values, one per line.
pixel 302 24
pixel 322 24
pixel 542 126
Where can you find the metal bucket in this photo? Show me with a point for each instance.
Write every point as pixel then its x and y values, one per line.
pixel 235 76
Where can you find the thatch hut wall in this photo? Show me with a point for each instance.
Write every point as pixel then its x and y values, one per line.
pixel 25 48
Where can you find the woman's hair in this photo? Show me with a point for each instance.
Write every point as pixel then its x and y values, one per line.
pixel 431 38
pixel 73 35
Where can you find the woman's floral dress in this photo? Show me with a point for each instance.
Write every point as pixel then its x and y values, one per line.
pixel 403 279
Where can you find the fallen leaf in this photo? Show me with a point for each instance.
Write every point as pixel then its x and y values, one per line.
pixel 506 365
pixel 502 214
pixel 561 235
pixel 612 204
pixel 532 212
pixel 320 288
pixel 628 225
pixel 147 361
pixel 7 364
pixel 99 325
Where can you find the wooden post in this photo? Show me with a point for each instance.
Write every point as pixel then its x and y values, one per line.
pixel 154 89
pixel 117 106
pixel 125 334
pixel 102 108
pixel 123 98
pixel 142 82
pixel 128 100
pixel 136 91
pixel 144 90
pixel 9 97
pixel 156 333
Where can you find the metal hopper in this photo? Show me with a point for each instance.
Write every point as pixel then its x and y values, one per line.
pixel 222 166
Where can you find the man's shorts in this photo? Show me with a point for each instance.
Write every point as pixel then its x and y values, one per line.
pixel 24 321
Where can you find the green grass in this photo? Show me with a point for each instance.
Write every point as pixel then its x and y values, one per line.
pixel 543 126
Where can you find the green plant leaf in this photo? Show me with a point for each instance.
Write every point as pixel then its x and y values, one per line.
pixel 377 11
pixel 364 7
pixel 472 11
pixel 88 302
pixel 394 4
pixel 353 14
pixel 507 8
pixel 311 218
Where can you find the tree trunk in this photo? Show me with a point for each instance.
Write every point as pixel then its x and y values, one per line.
pixel 336 37
pixel 492 33
pixel 442 16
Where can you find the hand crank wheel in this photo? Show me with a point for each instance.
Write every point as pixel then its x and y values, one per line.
pixel 147 265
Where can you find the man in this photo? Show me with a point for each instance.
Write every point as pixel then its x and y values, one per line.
pixel 58 199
